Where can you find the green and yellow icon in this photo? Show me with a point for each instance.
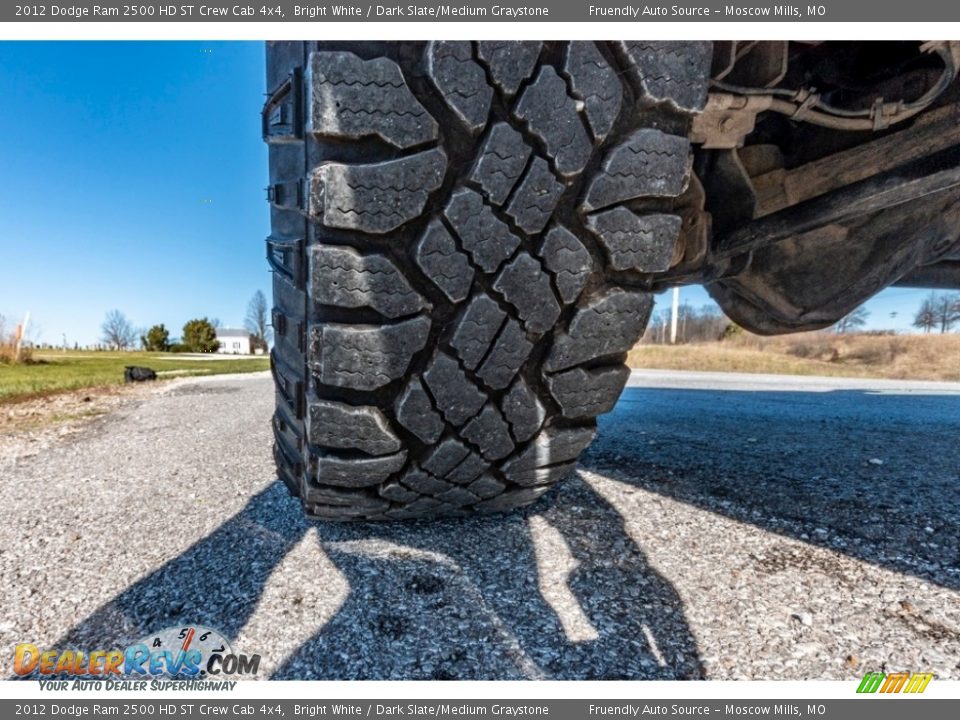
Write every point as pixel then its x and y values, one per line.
pixel 899 682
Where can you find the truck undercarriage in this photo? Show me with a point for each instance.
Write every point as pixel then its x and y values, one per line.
pixel 828 172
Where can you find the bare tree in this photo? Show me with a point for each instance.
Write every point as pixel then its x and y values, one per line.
pixel 257 322
pixel 926 317
pixel 702 324
pixel 118 332
pixel 946 310
pixel 853 321
pixel 656 332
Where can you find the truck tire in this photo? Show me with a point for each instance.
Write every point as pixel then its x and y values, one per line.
pixel 451 223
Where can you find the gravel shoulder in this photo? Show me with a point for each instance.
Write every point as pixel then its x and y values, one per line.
pixel 719 528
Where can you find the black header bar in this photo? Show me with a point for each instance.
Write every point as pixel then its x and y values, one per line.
pixel 579 11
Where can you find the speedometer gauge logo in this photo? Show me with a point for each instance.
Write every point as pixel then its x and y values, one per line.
pixel 185 650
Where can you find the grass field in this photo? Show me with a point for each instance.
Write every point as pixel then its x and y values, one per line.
pixel 54 372
pixel 913 357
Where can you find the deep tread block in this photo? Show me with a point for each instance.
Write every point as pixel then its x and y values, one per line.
pixel 535 200
pixel 375 198
pixel 445 457
pixel 339 425
pixel 672 71
pixel 487 239
pixel 596 83
pixel 501 162
pixel 606 325
pixel 468 470
pixel 342 277
pixel 365 357
pixel 523 410
pixel 486 486
pixel 510 62
pixel 424 483
pixel 582 393
pixel 441 261
pixel 637 242
pixel 456 396
pixel 357 472
pixel 395 491
pixel 532 477
pixel 327 495
pixel 526 286
pixel 511 499
pixel 424 507
pixel 477 329
pixel 489 432
pixel 458 496
pixel 650 163
pixel 569 261
pixel 414 410
pixel 508 354
pixel 355 98
pixel 552 116
pixel 460 80
pixel 551 446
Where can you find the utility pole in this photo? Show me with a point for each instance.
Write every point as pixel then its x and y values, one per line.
pixel 673 316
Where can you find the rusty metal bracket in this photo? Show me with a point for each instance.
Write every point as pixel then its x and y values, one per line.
pixel 727 119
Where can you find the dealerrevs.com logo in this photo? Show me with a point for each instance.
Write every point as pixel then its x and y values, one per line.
pixel 174 658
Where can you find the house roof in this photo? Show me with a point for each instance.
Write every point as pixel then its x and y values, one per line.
pixel 232 333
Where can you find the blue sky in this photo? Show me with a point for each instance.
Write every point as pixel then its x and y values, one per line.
pixel 132 177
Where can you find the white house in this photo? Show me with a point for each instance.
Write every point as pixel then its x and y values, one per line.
pixel 233 342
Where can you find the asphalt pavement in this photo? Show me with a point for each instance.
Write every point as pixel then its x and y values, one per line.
pixel 721 526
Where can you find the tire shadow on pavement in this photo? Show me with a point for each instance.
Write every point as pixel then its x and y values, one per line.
pixel 215 583
pixel 557 591
pixel 871 475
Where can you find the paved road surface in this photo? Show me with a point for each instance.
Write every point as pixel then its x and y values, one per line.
pixel 721 526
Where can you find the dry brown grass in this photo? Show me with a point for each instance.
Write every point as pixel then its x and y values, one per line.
pixel 8 354
pixel 913 357
pixel 8 346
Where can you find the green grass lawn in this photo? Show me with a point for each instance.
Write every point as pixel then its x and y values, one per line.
pixel 53 372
